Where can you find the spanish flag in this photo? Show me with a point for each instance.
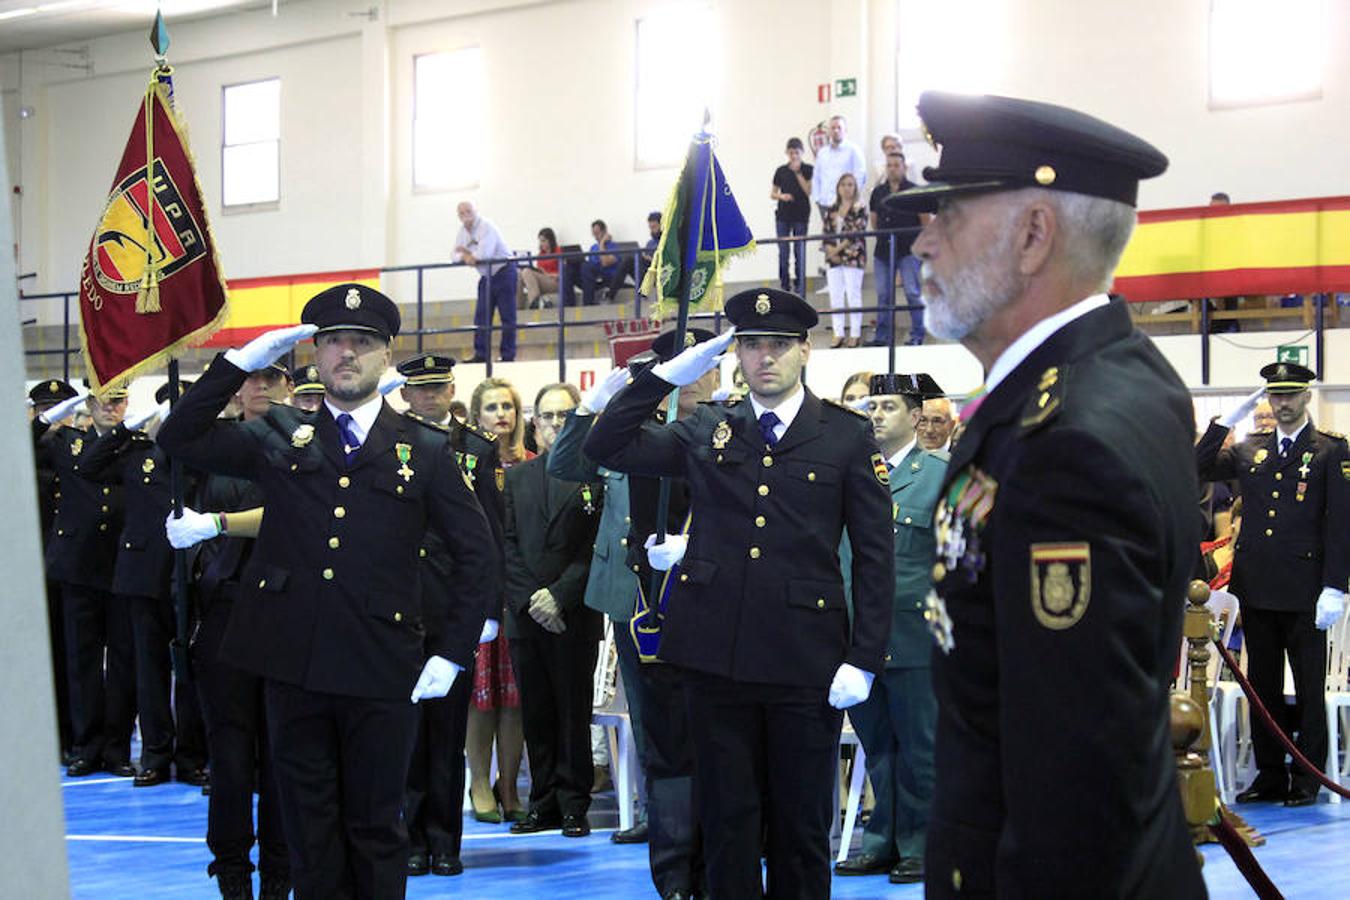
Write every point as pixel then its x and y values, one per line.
pixel 150 282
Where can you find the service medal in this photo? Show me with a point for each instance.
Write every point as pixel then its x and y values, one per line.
pixel 1303 469
pixel 939 622
pixel 302 435
pixel 721 435
pixel 404 452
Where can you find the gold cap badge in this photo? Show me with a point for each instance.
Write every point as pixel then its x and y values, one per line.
pixel 1045 175
pixel 428 362
pixel 763 304
pixel 353 299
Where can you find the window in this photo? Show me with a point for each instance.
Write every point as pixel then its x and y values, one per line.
pixel 250 165
pixel 947 45
pixel 449 119
pixel 1259 53
pixel 677 54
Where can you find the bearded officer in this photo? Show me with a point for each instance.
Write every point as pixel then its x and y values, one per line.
pixel 1291 564
pixel 757 621
pixel 434 809
pixel 1066 532
pixel 332 615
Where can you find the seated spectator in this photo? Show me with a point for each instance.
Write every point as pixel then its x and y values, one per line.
pixel 541 276
pixel 600 268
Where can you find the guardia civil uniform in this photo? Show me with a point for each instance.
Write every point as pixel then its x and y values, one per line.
pixel 1066 537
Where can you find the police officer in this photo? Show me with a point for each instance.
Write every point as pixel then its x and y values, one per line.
pixel 434 810
pixel 1291 564
pixel 331 615
pixel 307 393
pixel 1066 532
pixel 896 723
pixel 80 556
pixel 757 619
pixel 128 457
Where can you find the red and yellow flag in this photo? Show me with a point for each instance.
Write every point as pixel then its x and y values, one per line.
pixel 1281 247
pixel 150 282
pixel 261 304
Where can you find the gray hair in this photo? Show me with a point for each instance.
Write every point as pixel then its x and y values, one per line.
pixel 1095 231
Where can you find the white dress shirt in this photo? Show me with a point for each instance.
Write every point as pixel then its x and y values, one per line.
pixel 484 241
pixel 1293 436
pixel 895 461
pixel 786 411
pixel 830 163
pixel 1036 335
pixel 363 417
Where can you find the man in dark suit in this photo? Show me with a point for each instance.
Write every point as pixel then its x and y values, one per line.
pixel 1290 566
pixel 331 615
pixel 757 620
pixel 81 554
pixel 550 529
pixel 1066 532
pixel 435 796
pixel 128 457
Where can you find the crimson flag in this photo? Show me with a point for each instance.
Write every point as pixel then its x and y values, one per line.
pixel 150 282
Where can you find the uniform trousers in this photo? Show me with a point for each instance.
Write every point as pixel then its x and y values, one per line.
pixel 102 698
pixel 342 767
pixel 435 799
pixel 674 840
pixel 1270 635
pixel 56 628
pixel 764 755
pixel 236 733
pixel 556 677
pixel 162 743
pixel 896 724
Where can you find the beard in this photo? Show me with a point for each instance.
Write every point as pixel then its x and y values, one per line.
pixel 956 306
pixel 359 390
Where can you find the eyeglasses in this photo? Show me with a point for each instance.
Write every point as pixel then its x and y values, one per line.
pixel 552 418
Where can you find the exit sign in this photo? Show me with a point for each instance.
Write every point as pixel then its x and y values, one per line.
pixel 1292 353
pixel 846 87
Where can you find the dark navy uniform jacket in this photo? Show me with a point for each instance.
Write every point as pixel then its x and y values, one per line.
pixel 82 548
pixel 331 597
pixel 760 597
pixel 1066 537
pixel 1295 514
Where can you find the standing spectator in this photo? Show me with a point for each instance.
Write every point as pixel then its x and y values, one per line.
pixel 600 268
pixel 541 277
pixel 550 527
pixel 846 258
pixel 855 389
pixel 839 157
pixel 936 424
pixel 1263 418
pixel 892 254
pixel 479 239
pixel 649 249
pixel 495 712
pixel 792 189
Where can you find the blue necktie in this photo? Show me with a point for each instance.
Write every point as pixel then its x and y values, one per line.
pixel 1284 445
pixel 350 444
pixel 767 423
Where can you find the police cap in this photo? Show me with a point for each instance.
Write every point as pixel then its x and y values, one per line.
pixel 352 307
pixel 53 391
pixel 162 393
pixel 919 385
pixel 991 143
pixel 1287 377
pixel 664 346
pixel 428 369
pixel 306 380
pixel 768 311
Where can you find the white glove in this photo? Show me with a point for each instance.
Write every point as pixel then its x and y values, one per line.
pixel 1244 409
pixel 600 393
pixel 392 378
pixel 138 422
pixel 1330 607
pixel 490 629
pixel 666 554
pixel 191 529
pixel 437 677
pixel 63 409
pixel 721 394
pixel 850 686
pixel 267 348
pixel 696 361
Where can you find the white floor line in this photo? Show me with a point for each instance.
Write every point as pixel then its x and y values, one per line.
pixel 152 839
pixel 66 784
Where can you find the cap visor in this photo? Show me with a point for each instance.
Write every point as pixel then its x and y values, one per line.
pixel 366 328
pixel 925 198
pixel 769 332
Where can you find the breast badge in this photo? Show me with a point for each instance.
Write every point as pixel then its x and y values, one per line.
pixel 1260 456
pixel 880 470
pixel 721 435
pixel 1061 583
pixel 147 465
pixel 76 446
pixel 302 435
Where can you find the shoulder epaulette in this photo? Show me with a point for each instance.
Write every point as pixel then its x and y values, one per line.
pixel 1045 403
pixel 844 406
pixel 420 420
pixel 1334 435
pixel 478 432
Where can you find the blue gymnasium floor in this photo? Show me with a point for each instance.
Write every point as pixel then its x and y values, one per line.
pixel 148 843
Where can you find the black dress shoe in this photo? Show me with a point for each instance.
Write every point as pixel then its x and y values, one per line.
pixel 1300 797
pixel 865 864
pixel 635 835
pixel 194 777
pixel 123 770
pixel 535 822
pixel 575 826
pixel 442 864
pixel 150 778
pixel 270 887
pixel 82 767
pixel 235 885
pixel 1258 793
pixel 909 870
pixel 418 864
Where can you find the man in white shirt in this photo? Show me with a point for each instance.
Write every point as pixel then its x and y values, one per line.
pixel 836 158
pixel 479 239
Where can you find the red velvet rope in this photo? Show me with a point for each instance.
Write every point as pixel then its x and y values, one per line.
pixel 1245 860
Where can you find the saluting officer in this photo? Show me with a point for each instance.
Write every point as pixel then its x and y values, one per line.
pixel 757 619
pixel 81 553
pixel 331 615
pixel 307 392
pixel 435 795
pixel 1291 564
pixel 1066 532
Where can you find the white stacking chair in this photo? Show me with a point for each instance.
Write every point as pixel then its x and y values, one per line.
pixel 1338 702
pixel 611 713
pixel 852 804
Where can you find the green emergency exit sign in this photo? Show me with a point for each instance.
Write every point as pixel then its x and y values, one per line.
pixel 846 87
pixel 1292 353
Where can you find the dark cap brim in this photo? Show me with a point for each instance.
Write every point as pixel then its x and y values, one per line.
pixel 366 328
pixel 925 198
pixel 769 332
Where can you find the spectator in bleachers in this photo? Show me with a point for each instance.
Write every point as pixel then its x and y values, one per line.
pixel 792 189
pixel 540 277
pixel 845 257
pixel 495 711
pixel 839 157
pixel 855 388
pixel 479 239
pixel 600 268
pixel 886 265
pixel 936 423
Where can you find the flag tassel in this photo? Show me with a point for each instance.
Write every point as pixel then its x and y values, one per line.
pixel 147 298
